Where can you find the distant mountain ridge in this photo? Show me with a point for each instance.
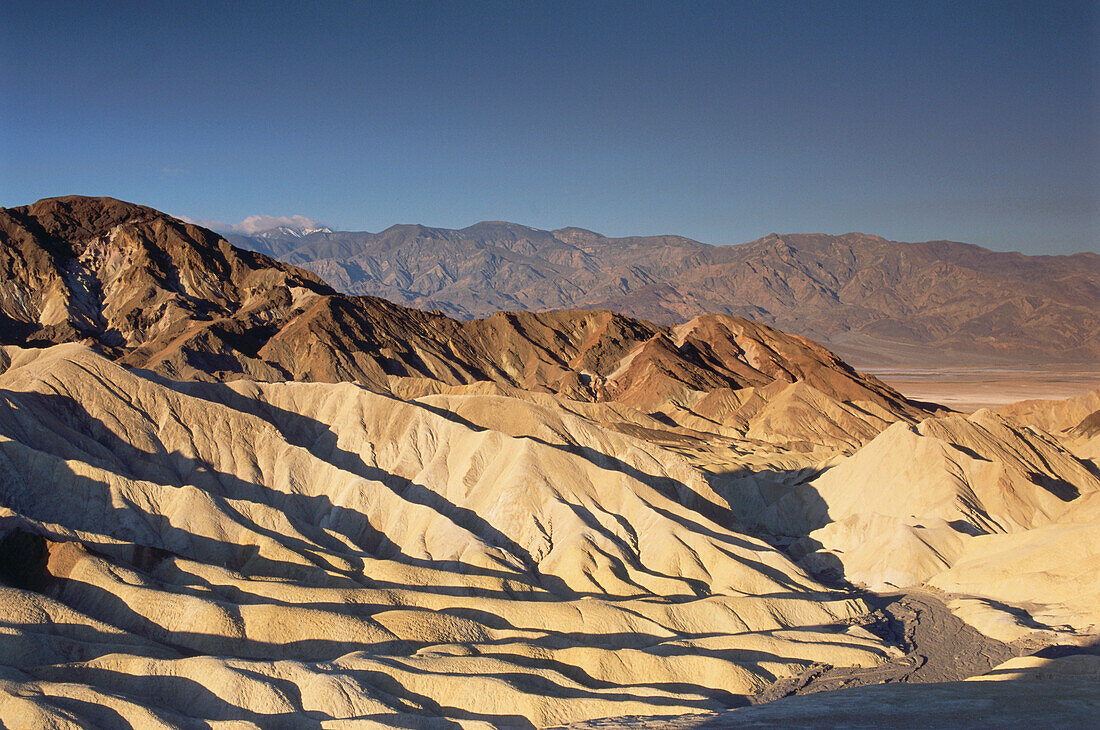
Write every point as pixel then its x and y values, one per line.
pixel 475 271
pixel 875 301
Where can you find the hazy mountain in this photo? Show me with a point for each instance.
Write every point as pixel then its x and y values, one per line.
pixel 875 301
pixel 487 267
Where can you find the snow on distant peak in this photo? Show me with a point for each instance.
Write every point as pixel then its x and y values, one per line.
pixel 291 232
pixel 295 225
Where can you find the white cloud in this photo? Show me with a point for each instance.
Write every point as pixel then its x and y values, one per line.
pixel 257 223
pixel 212 225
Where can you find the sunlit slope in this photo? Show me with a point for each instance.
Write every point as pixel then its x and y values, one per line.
pixel 1075 421
pixel 976 506
pixel 263 552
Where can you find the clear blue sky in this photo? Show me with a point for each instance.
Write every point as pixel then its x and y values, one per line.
pixel 719 121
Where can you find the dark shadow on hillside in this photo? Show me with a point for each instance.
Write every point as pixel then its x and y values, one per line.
pixel 781 508
pixel 305 512
pixel 91 714
pixel 1060 488
pixel 320 441
pixel 1092 466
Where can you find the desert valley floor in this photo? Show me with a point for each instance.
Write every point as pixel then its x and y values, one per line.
pixel 232 497
pixel 971 389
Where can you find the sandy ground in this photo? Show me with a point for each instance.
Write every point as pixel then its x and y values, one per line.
pixel 968 390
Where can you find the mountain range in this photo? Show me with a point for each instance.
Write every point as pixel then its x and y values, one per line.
pixel 154 292
pixel 874 301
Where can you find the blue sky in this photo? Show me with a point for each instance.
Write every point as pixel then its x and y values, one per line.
pixel 967 121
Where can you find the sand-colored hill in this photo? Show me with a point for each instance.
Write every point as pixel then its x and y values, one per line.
pixel 1056 417
pixel 280 552
pixel 1074 421
pixel 975 506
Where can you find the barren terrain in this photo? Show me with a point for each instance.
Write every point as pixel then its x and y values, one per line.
pixel 230 496
pixel 968 389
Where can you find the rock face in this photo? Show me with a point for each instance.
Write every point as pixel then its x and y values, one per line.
pixel 126 276
pixel 875 301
